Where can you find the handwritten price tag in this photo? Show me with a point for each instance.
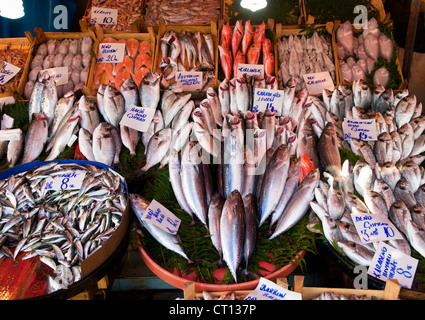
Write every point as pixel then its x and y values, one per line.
pixel 8 72
pixel 256 70
pixel 316 82
pixel 138 118
pixel 375 227
pixel 390 263
pixel 267 99
pixel 360 129
pixel 111 52
pixel 268 290
pixel 103 15
pixel 190 80
pixel 60 75
pixel 163 218
pixel 66 180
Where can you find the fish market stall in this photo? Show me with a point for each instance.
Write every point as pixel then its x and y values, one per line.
pixel 61 221
pixel 16 52
pixel 113 16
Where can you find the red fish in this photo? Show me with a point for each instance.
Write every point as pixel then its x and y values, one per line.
pixel 269 64
pixel 226 61
pixel 267 46
pixel 237 37
pixel 253 54
pixel 226 36
pixel 248 37
pixel 260 33
pixel 240 58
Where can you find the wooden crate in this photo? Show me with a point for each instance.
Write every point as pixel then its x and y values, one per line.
pixel 101 35
pixel 26 44
pixel 270 25
pixel 403 84
pixel 42 37
pixel 391 291
pixel 282 30
pixel 163 28
pixel 190 292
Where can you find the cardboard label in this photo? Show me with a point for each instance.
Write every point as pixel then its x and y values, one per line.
pixel 66 180
pixel 103 15
pixel 163 218
pixel 268 290
pixel 111 52
pixel 190 80
pixel 138 118
pixel 268 99
pixel 316 82
pixel 256 70
pixel 360 129
pixel 390 263
pixel 7 72
pixel 374 227
pixel 60 75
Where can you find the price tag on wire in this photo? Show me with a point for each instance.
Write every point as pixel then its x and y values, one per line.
pixel 65 180
pixel 161 217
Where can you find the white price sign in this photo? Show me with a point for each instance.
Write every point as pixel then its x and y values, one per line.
pixel 360 129
pixel 316 82
pixel 60 75
pixel 138 118
pixel 103 15
pixel 111 52
pixel 374 227
pixel 256 70
pixel 268 290
pixel 190 80
pixel 66 180
pixel 390 263
pixel 268 99
pixel 161 217
pixel 7 72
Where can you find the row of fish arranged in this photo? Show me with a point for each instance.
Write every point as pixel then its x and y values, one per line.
pixel 186 51
pixel 245 44
pixel 358 54
pixel 299 55
pixel 76 54
pixel 137 62
pixel 60 227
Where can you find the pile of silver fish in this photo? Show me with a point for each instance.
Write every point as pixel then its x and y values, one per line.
pixel 358 55
pixel 300 55
pixel 61 227
pixel 187 51
pixel 72 53
pixel 245 44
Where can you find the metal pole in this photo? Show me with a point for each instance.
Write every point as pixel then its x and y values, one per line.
pixel 410 38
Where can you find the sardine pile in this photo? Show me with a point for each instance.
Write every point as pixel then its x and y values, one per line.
pixel 245 44
pixel 76 54
pixel 137 62
pixel 62 228
pixel 180 12
pixel 337 296
pixel 358 55
pixel 187 51
pixel 300 55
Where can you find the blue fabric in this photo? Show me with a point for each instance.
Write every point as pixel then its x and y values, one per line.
pixel 38 13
